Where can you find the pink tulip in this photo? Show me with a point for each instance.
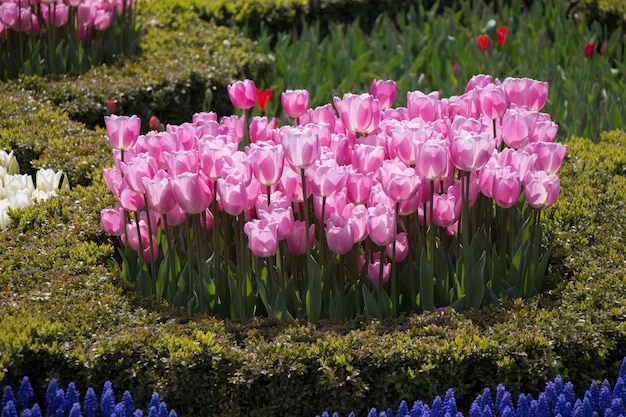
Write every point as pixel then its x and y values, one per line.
pixel 339 235
pixel 444 210
pixel 112 221
pixel 381 224
pixel 545 131
pixel 367 158
pixel 140 240
pixel 359 113
pixel 296 241
pixel 461 106
pixel 373 268
pixel 321 114
pixel 402 247
pixel 57 14
pixel 237 165
pixel 192 192
pixel 517 127
pixel 492 101
pixel 300 145
pixel 326 178
pixel 158 144
pixel 550 156
pixel 506 187
pixel 259 127
pixel 159 192
pixel 86 14
pixel 262 237
pixel 242 94
pixel 113 179
pixel 204 117
pixel 431 159
pixel 295 102
pixel 176 216
pixel 384 91
pixel 182 161
pixel 424 106
pixel 122 131
pixel 129 199
pixel 267 162
pixel 471 151
pixel 281 215
pixel 357 216
pixel 478 81
pixel 526 92
pixel 212 150
pixel 232 194
pixel 358 186
pixel 233 128
pixel 290 184
pixel 184 135
pixel 399 182
pixel 334 204
pixel 136 169
pixel 541 189
pixel 103 19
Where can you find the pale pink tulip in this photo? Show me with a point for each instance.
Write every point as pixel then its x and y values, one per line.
pixel 192 192
pixel 182 161
pixel 367 158
pixel 402 247
pixel 373 268
pixel 136 169
pixel 242 94
pixel 112 221
pixel 399 181
pixel 339 235
pixel 550 156
pixel 424 106
pixel 359 113
pixel 295 102
pixel 232 194
pixel 122 131
pixel 300 145
pixel 506 187
pixel 359 186
pixel 541 189
pixel 526 92
pixel 478 81
pixel 325 179
pixel 267 161
pixel 492 101
pixel 471 151
pixel 158 144
pixel 517 127
pixel 357 216
pixel 212 150
pixel 296 241
pixel 381 224
pixel 159 192
pixel 432 158
pixel 262 237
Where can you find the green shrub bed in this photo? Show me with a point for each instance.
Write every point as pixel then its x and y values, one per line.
pixel 65 315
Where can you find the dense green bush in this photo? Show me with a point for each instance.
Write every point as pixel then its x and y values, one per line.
pixel 64 312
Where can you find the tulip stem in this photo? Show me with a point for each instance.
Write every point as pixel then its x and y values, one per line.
pixel 152 260
pixel 394 289
pixel 306 228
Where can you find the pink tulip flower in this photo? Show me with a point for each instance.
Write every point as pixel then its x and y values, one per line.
pixel 233 128
pixel 526 92
pixel 550 156
pixel 140 240
pixel 295 102
pixel 300 145
pixel 402 247
pixel 357 216
pixel 325 179
pixel 359 186
pixel 321 114
pixel 158 144
pixel 242 94
pixel 541 189
pixel 56 15
pixel 492 101
pixel 431 159
pixel 259 127
pixel 176 215
pixel 192 192
pixel 381 224
pixel 545 131
pixel 159 192
pixel 122 131
pixel 399 182
pixel 296 241
pixel 506 187
pixel 212 150
pixel 112 221
pixel 290 184
pixel 444 210
pixel 129 199
pixel 232 194
pixel 478 81
pixel 385 92
pixel 262 237
pixel 424 106
pixel 367 158
pixel 281 215
pixel 359 113
pixel 517 127
pixel 373 268
pixel 339 235
pixel 182 161
pixel 471 151
pixel 267 161
pixel 103 19
pixel 137 168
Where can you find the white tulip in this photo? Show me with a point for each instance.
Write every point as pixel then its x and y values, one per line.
pixel 14 183
pixel 48 180
pixel 5 220
pixel 20 199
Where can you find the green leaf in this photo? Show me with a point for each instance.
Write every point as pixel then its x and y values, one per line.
pixel 427 293
pixel 370 304
pixel 475 284
pixel 314 291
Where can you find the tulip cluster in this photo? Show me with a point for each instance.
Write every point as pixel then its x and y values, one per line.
pixel 60 35
pixel 356 208
pixel 18 191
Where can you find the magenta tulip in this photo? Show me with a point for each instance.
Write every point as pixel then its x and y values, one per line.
pixel 262 237
pixel 384 91
pixel 242 94
pixel 359 113
pixel 295 102
pixel 339 235
pixel 122 131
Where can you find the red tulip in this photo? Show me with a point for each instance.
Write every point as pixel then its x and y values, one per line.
pixel 589 49
pixel 110 107
pixel 483 42
pixel 263 97
pixel 501 32
pixel 154 123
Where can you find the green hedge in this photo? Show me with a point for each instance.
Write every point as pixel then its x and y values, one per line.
pixel 65 315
